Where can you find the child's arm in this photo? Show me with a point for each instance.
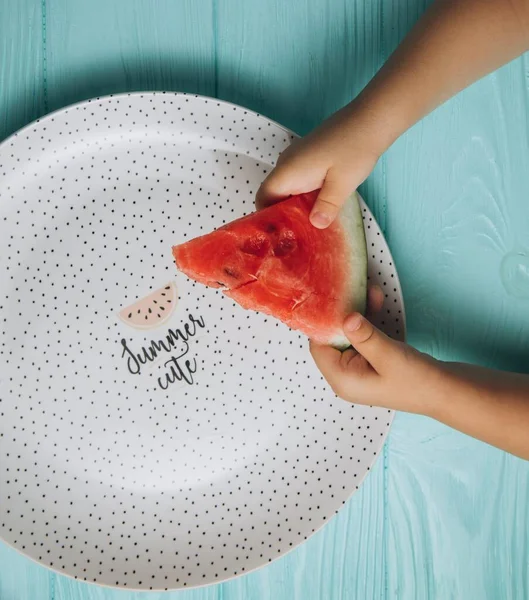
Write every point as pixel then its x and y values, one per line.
pixel 455 43
pixel 489 405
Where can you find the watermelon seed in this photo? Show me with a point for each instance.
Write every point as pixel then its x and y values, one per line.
pixel 150 310
pixel 162 308
pixel 130 315
pixel 159 316
pixel 146 317
pixel 139 310
pixel 155 301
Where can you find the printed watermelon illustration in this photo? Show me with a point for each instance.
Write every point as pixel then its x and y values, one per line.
pixel 152 310
pixel 276 262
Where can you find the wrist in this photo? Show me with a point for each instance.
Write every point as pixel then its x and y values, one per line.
pixel 462 385
pixel 389 105
pixel 376 128
pixel 437 390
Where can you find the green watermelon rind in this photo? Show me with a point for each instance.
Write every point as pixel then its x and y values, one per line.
pixel 351 220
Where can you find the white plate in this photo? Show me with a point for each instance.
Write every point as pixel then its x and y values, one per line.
pixel 104 475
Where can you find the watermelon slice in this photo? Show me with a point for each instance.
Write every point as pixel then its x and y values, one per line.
pixel 274 261
pixel 152 310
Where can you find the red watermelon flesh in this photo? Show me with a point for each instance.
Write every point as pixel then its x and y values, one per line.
pixel 276 262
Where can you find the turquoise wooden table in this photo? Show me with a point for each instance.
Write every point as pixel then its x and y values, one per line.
pixel 440 516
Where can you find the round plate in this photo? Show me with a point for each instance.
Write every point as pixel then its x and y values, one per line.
pixel 176 456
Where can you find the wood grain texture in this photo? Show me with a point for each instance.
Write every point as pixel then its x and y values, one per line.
pixel 441 516
pixel 458 516
pixel 23 579
pixel 21 101
pixel 457 221
pixel 21 64
pixel 99 47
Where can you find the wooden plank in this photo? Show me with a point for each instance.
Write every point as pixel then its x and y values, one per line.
pixel 22 579
pixel 456 217
pixel 458 515
pixel 21 64
pixel 456 222
pixel 296 62
pixel 100 47
pixel 21 101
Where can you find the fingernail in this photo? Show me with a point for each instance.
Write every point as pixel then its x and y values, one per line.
pixel 320 220
pixel 353 323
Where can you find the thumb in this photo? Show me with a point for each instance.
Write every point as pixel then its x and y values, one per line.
pixel 380 351
pixel 331 198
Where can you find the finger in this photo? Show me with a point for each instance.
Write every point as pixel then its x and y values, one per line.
pixel 375 300
pixel 330 200
pixel 327 360
pixel 347 373
pixel 376 347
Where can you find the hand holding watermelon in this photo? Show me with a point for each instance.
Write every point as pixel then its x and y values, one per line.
pixel 452 45
pixel 489 405
pixel 376 367
pixel 336 157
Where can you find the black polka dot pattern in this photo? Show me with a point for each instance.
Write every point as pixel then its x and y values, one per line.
pixel 104 474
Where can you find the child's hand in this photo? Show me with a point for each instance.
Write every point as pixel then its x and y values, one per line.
pixel 336 157
pixel 490 405
pixel 378 370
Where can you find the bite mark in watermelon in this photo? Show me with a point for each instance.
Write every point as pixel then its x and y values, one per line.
pixel 152 310
pixel 276 262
